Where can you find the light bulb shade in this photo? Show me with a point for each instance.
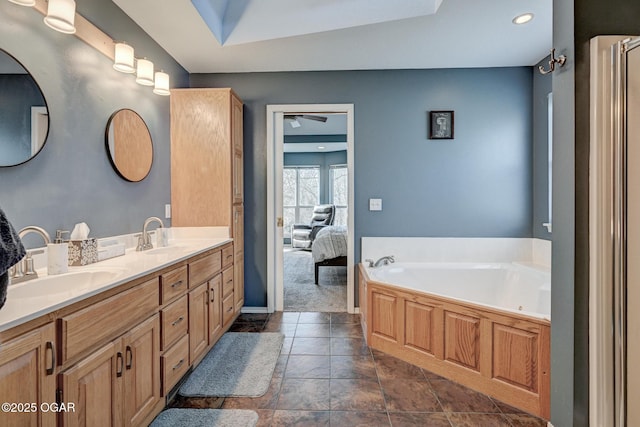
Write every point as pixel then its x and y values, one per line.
pixel 162 84
pixel 144 73
pixel 24 2
pixel 61 16
pixel 124 60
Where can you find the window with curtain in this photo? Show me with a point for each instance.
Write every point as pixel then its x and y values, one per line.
pixel 300 193
pixel 339 192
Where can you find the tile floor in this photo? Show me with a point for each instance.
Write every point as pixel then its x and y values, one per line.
pixel 327 376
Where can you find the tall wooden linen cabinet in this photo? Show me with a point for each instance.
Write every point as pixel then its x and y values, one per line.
pixel 206 167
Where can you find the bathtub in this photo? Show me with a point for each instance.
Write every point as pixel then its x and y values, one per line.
pixel 483 325
pixel 511 287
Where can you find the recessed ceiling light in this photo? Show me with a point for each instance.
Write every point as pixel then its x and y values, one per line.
pixel 522 19
pixel 321 147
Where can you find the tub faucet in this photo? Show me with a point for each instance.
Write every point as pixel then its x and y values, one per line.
pixel 24 269
pixel 144 242
pixel 385 260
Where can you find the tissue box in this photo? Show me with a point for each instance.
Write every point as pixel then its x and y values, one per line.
pixel 83 252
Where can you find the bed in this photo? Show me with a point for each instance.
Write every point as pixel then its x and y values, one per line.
pixel 329 248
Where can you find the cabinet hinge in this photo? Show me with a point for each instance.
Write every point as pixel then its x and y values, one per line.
pixel 59 396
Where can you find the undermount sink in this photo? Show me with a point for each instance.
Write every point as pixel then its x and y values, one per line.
pixel 68 284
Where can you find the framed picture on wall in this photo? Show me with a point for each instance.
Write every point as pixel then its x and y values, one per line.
pixel 440 124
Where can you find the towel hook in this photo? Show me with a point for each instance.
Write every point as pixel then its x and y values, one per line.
pixel 560 60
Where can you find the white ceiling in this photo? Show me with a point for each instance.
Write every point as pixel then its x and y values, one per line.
pixel 305 35
pixel 336 124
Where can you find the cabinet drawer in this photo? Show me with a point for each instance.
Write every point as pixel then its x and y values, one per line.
pixel 205 268
pixel 227 282
pixel 227 256
pixel 175 323
pixel 173 284
pixel 227 309
pixel 106 319
pixel 175 363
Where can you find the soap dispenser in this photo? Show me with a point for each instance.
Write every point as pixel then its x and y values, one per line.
pixel 58 254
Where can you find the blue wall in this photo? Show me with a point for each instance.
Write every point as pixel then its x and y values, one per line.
pixel 71 179
pixel 477 185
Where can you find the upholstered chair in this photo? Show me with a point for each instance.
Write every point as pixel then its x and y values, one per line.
pixel 302 235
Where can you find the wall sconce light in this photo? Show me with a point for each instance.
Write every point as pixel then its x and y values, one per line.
pixel 61 15
pixel 124 60
pixel 162 84
pixel 24 2
pixel 144 73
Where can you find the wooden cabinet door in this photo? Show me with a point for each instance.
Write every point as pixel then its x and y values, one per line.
pixel 215 309
pixel 142 370
pixel 27 375
pixel 238 256
pixel 198 321
pixel 95 386
pixel 237 149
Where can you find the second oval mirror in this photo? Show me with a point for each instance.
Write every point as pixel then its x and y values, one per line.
pixel 129 145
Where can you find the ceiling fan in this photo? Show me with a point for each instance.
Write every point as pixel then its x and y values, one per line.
pixel 296 124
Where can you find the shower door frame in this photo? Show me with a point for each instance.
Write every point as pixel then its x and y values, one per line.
pixel 608 230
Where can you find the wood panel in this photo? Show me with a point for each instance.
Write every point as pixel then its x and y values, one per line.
pixel 238 253
pixel 462 340
pixel 198 321
pixel 515 356
pixel 237 139
pixel 174 364
pixel 227 282
pixel 215 309
pixel 24 379
pixel 142 371
pixel 228 307
pixel 107 319
pixel 384 309
pixel 173 283
pixel 418 327
pixel 200 157
pixel 175 323
pixel 94 385
pixel 227 256
pixel 205 268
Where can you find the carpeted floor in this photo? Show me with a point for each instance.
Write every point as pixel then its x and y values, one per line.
pixel 301 294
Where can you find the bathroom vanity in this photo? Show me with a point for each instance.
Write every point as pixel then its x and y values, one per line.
pixel 109 349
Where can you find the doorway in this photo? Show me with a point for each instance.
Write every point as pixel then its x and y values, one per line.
pixel 324 177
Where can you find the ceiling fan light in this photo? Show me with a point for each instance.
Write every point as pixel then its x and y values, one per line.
pixel 124 61
pixel 295 123
pixel 61 16
pixel 24 2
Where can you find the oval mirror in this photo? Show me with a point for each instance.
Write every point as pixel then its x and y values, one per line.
pixel 129 145
pixel 24 117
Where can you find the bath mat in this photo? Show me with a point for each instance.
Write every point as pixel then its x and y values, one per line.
pixel 241 364
pixel 175 417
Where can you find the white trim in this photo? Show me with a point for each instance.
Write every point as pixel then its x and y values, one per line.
pixel 275 132
pixel 254 310
pixel 601 360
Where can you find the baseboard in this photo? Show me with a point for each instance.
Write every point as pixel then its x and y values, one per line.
pixel 254 310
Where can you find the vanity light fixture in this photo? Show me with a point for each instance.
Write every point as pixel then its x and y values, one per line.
pixel 61 15
pixel 24 2
pixel 124 60
pixel 161 84
pixel 522 19
pixel 144 73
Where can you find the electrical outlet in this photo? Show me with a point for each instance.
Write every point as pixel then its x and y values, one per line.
pixel 375 204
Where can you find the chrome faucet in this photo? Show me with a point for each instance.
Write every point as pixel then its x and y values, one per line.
pixel 385 260
pixel 24 269
pixel 144 241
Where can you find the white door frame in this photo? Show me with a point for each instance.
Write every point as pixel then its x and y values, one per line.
pixel 275 165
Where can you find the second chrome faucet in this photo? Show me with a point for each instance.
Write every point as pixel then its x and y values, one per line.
pixel 144 241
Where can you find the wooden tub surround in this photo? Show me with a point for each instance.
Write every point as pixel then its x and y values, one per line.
pixel 501 354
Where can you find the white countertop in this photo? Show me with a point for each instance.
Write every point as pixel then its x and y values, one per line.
pixel 32 299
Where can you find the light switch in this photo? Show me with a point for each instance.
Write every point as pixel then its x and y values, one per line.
pixel 167 211
pixel 375 204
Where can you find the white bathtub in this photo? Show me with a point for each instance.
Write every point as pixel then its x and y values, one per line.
pixel 510 287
